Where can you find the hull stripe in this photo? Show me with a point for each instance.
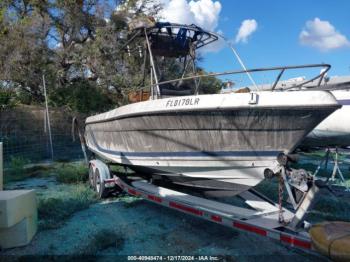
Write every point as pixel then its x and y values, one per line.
pixel 197 153
pixel 344 102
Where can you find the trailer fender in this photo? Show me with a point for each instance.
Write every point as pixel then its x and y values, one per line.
pixel 103 171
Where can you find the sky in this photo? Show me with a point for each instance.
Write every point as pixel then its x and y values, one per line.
pixel 269 33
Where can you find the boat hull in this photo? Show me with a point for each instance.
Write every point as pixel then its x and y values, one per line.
pixel 226 146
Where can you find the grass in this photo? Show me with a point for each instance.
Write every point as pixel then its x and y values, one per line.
pixel 117 169
pixel 16 169
pixel 130 201
pixel 10 177
pixel 55 207
pixel 309 161
pixel 57 204
pixel 331 209
pixel 19 169
pixel 72 173
pixel 39 170
pixel 104 239
pixel 346 183
pixel 62 201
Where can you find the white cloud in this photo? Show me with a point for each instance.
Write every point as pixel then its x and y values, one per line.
pixel 206 13
pixel 177 11
pixel 322 35
pixel 203 13
pixel 247 28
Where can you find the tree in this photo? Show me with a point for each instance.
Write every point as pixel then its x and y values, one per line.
pixel 209 84
pixel 75 44
pixel 24 54
pixel 55 38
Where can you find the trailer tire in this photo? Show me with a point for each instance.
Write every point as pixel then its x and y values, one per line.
pixel 91 177
pixel 100 188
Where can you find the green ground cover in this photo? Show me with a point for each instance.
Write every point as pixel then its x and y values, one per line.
pixel 68 192
pixel 71 192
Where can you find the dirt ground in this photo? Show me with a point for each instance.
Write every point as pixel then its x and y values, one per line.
pixel 130 226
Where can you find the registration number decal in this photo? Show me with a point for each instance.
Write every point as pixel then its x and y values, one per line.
pixel 182 102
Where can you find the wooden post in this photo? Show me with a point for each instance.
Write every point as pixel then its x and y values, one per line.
pixel 1 168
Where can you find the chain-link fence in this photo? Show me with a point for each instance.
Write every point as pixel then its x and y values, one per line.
pixel 25 134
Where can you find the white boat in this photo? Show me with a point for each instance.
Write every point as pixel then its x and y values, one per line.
pixel 334 131
pixel 216 142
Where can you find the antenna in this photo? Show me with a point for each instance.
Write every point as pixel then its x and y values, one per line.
pixel 239 60
pixel 243 66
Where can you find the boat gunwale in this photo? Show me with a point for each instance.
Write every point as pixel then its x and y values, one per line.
pixel 182 110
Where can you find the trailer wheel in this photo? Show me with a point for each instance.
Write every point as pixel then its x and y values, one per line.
pixel 91 177
pixel 100 188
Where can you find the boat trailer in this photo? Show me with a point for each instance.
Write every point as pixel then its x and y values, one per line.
pixel 262 218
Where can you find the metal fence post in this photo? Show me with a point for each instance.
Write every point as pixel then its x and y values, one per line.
pixel 48 117
pixel 1 168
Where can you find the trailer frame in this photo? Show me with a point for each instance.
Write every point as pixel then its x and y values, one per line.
pixel 261 219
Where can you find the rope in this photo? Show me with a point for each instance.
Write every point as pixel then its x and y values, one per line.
pixel 280 198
